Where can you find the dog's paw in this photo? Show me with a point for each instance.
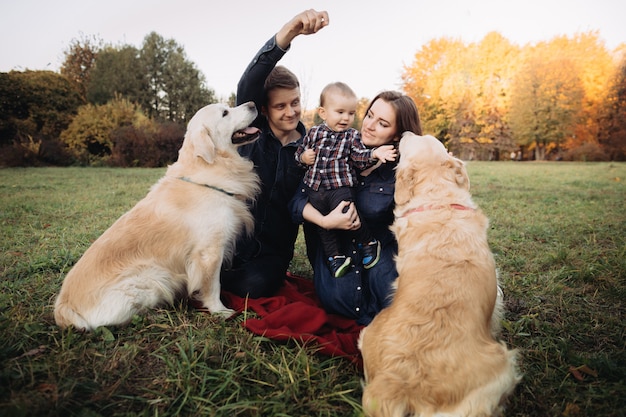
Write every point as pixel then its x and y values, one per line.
pixel 225 313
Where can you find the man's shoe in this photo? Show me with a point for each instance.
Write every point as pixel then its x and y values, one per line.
pixel 371 254
pixel 339 265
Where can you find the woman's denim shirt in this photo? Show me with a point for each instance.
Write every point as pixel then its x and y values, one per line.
pixel 360 294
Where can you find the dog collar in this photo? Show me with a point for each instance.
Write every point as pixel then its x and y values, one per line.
pixel 436 207
pixel 209 186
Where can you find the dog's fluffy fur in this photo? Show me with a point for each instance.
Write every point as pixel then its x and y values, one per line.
pixel 173 242
pixel 433 351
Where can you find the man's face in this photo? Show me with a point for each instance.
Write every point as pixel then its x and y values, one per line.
pixel 283 110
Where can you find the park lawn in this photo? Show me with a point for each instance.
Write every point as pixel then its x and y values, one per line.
pixel 558 232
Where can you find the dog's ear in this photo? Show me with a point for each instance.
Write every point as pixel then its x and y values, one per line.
pixel 203 145
pixel 404 186
pixel 460 172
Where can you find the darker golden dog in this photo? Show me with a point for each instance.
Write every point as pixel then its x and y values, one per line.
pixel 433 351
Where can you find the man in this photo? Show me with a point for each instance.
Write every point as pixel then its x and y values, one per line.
pixel 261 260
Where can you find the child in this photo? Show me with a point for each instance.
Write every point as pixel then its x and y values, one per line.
pixel 331 152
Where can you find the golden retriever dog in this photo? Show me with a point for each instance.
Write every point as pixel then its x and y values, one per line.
pixel 433 351
pixel 173 242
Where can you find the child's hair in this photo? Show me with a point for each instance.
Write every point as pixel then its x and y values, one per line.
pixel 339 87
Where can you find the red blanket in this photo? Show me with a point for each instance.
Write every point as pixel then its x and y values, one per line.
pixel 296 313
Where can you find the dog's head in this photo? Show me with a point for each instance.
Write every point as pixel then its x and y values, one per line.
pixel 217 128
pixel 426 169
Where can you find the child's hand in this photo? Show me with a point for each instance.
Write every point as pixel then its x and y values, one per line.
pixel 307 157
pixel 385 153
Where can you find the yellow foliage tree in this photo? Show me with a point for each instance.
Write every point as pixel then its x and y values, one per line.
pixel 493 96
pixel 546 99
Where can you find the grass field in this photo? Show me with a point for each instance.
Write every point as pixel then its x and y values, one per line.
pixel 558 231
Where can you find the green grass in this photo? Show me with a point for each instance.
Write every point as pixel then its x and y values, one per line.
pixel 557 230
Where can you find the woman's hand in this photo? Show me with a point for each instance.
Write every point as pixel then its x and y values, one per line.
pixel 305 23
pixel 344 217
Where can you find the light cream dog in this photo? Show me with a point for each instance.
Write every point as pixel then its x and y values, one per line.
pixel 433 351
pixel 173 242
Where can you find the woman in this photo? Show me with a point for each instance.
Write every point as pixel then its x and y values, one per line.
pixel 361 293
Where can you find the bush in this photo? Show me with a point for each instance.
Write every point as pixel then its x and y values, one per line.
pixel 587 152
pixel 130 147
pixel 168 140
pixel 143 147
pixel 55 152
pixel 17 155
pixel 26 151
pixel 88 137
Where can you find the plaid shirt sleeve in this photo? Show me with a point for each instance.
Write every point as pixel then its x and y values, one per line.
pixel 307 142
pixel 360 155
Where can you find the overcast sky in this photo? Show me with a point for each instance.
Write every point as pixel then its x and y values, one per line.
pixel 366 45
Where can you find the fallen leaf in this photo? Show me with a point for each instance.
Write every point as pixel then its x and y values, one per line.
pixel 46 388
pixel 577 372
pixel 33 352
pixel 587 370
pixel 571 410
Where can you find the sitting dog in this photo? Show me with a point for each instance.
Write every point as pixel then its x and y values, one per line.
pixel 433 351
pixel 173 242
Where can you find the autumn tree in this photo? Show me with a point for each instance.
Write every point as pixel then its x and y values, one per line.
pixel 426 81
pixel 460 91
pixel 595 68
pixel 483 98
pixel 494 65
pixel 546 99
pixel 612 135
pixel 79 60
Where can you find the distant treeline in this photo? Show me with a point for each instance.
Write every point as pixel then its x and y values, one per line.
pixel 123 106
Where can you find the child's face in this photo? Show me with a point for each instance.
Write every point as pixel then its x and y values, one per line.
pixel 338 112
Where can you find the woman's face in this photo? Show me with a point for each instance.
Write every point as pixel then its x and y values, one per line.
pixel 379 125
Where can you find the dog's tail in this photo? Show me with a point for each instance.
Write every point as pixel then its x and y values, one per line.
pixel 386 396
pixel 491 398
pixel 65 316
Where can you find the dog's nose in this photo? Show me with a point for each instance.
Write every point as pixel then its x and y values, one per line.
pixel 251 105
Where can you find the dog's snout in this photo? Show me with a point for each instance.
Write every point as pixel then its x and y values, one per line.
pixel 251 105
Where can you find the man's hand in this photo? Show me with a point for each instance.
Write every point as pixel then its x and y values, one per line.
pixel 305 23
